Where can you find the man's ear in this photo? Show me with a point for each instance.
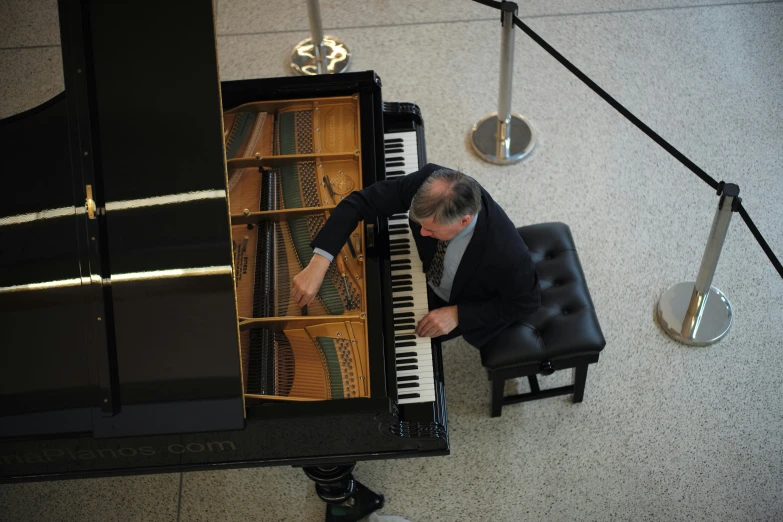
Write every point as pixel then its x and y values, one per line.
pixel 466 219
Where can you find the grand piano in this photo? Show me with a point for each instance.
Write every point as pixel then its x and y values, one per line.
pixel 151 218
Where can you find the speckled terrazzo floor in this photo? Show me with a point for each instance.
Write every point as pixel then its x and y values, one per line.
pixel 666 432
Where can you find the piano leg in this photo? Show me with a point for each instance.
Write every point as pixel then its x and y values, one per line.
pixel 347 499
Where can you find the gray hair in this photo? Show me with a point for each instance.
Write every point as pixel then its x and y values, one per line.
pixel 462 197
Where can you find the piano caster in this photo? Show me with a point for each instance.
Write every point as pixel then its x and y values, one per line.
pixel 347 499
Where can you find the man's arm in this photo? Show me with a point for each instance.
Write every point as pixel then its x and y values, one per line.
pixel 384 198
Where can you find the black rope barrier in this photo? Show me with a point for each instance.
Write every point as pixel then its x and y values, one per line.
pixel 490 3
pixel 618 106
pixel 761 241
pixel 668 147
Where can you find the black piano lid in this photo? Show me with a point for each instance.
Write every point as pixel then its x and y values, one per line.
pixel 124 324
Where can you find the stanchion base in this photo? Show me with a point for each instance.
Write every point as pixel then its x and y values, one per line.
pixel 338 58
pixel 484 139
pixel 674 320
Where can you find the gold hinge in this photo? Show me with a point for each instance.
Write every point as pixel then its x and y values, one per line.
pixel 90 203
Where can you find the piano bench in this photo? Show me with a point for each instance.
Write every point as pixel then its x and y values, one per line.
pixel 563 332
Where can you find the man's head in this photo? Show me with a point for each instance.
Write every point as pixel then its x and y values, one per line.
pixel 445 204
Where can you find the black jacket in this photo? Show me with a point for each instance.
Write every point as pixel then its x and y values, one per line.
pixel 496 282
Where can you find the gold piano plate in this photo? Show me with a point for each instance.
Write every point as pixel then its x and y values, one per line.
pixel 335 126
pixel 290 163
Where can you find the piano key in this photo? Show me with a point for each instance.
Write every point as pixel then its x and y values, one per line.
pixel 428 385
pixel 418 385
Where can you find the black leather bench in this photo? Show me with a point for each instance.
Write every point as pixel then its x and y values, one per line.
pixel 563 333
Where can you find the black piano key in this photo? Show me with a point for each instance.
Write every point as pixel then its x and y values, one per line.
pixel 402 267
pixel 408 396
pixel 394 158
pixel 404 314
pixel 408 378
pixel 402 288
pixel 393 149
pixel 397 232
pixel 404 337
pixel 401 322
pixel 396 164
pixel 405 344
pixel 402 305
pixel 406 354
pixel 395 173
pixel 401 298
pixel 408 385
pixel 406 368
pixel 392 140
pixel 399 216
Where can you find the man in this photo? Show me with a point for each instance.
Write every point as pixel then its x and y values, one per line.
pixel 477 265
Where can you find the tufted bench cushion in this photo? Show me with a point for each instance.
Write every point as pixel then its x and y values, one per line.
pixel 564 332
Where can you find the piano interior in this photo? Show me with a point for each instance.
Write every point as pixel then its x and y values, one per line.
pixel 290 162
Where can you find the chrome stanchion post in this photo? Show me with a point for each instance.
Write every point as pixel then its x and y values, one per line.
pixel 503 137
pixel 697 313
pixel 319 54
pixel 317 32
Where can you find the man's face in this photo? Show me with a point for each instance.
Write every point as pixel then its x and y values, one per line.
pixel 434 229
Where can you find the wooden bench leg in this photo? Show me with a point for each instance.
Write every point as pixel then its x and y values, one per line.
pixel 533 380
pixel 498 386
pixel 580 379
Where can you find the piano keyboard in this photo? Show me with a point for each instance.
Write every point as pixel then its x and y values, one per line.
pixel 415 375
pixel 402 156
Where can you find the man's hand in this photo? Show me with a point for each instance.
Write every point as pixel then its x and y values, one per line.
pixel 307 282
pixel 438 322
